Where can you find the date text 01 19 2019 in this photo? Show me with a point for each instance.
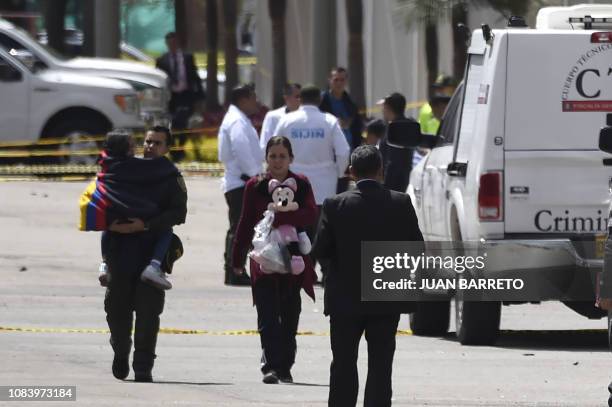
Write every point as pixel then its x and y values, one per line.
pixel 451 284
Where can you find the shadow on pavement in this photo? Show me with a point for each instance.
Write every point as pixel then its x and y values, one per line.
pixel 561 340
pixel 191 383
pixel 309 384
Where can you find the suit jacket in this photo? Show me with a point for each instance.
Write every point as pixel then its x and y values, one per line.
pixel 368 213
pixel 194 83
pixel 397 163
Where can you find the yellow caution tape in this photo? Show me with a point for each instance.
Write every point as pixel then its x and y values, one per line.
pixel 171 331
pixel 204 132
pixel 253 332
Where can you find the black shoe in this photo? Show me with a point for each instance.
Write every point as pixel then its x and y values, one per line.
pixel 143 376
pixel 285 377
pixel 121 367
pixel 243 280
pixel 270 377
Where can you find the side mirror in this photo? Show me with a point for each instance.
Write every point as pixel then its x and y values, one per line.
pixel 605 136
pixel 605 139
pixel 407 134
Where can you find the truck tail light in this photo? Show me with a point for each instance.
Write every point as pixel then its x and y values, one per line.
pixel 490 196
pixel 601 37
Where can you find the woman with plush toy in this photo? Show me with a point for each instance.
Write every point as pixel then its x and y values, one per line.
pixel 277 294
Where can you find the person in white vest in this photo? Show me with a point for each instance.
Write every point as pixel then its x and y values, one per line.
pixel 291 95
pixel 242 158
pixel 320 149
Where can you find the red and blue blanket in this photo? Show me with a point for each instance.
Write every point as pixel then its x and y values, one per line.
pixel 125 188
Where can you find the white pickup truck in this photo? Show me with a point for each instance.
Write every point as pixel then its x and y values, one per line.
pixel 53 102
pixel 149 83
pixel 517 165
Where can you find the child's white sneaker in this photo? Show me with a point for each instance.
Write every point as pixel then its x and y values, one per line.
pixel 154 275
pixel 103 275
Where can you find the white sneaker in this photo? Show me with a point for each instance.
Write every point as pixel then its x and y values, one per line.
pixel 103 275
pixel 154 275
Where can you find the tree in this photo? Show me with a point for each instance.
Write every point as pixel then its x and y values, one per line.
pixel 55 13
pixel 212 38
pixel 428 12
pixel 277 10
pixel 354 13
pixel 180 21
pixel 230 19
pixel 459 16
pixel 89 27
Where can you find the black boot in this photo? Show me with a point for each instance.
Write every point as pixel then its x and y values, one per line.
pixel 121 367
pixel 143 365
pixel 121 360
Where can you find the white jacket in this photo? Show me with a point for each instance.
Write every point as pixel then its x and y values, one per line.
pixel 238 149
pixel 269 126
pixel 319 147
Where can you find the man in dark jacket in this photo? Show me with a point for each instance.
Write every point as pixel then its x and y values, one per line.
pixel 185 86
pixel 347 220
pixel 397 161
pixel 338 102
pixel 130 250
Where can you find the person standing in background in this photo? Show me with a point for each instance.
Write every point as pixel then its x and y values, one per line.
pixel 185 86
pixel 338 102
pixel 242 158
pixel 291 94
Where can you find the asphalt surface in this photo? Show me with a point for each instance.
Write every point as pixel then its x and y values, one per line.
pixel 53 328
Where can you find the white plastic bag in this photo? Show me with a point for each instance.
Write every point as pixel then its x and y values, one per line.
pixel 267 252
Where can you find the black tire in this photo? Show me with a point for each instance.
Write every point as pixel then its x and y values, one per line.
pixel 477 321
pixel 87 126
pixel 431 318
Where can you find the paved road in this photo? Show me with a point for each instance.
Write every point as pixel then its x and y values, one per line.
pixel 48 274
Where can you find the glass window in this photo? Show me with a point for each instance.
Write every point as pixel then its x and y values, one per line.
pixel 448 127
pixel 8 73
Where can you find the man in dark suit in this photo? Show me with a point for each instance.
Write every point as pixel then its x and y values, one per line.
pixel 185 86
pixel 368 213
pixel 397 161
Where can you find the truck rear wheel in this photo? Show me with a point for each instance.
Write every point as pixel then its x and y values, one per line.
pixel 431 318
pixel 477 321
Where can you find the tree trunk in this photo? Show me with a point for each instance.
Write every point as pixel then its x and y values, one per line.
pixel 212 38
pixel 354 13
pixel 277 10
pixel 89 28
pixel 180 22
pixel 55 11
pixel 229 9
pixel 460 33
pixel 431 53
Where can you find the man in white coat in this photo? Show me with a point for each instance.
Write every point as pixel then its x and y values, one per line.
pixel 320 149
pixel 241 156
pixel 291 95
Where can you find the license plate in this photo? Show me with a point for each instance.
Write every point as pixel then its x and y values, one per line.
pixel 600 245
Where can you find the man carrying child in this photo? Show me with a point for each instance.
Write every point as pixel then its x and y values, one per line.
pixel 153 191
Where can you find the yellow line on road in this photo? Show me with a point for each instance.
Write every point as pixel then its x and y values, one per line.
pixel 172 331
